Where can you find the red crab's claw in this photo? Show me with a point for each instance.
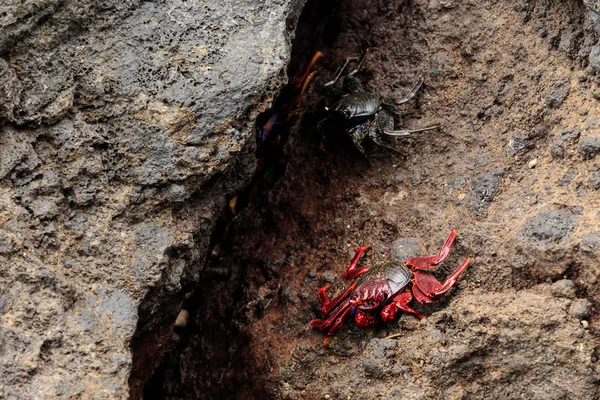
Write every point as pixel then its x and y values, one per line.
pixel 430 262
pixel 391 312
pixel 427 289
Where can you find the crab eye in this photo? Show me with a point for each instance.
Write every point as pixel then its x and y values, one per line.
pixel 382 296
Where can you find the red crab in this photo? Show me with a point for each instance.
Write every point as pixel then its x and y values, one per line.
pixel 385 287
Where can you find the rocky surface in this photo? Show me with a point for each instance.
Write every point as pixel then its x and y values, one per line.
pixel 478 348
pixel 124 127
pixel 514 168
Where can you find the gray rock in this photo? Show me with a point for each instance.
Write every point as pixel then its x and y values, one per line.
pixel 589 147
pixel 8 242
pixel 594 58
pixel 567 43
pixel 549 227
pixel 595 180
pixel 580 308
pixel 590 243
pixel 565 139
pixel 505 329
pixel 564 288
pixel 545 241
pixel 376 357
pixel 112 114
pixel 568 177
pixel 405 248
pixel 44 208
pixel 485 187
pixel 517 144
pixel 558 94
pixel 14 149
pixel 593 15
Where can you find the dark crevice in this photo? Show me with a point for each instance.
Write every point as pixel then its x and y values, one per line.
pixel 220 303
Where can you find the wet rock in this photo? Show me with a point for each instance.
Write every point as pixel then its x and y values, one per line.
pixel 405 248
pixel 580 308
pixel 589 147
pixel 563 288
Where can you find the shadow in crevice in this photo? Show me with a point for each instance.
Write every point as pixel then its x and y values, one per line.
pixel 206 358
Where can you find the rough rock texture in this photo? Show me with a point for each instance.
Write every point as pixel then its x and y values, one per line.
pixel 124 126
pixel 593 12
pixel 513 168
pixel 479 348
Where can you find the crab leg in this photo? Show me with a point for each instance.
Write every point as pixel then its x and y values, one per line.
pixel 407 132
pixel 412 92
pixel 328 305
pixel 298 98
pixel 340 70
pixel 337 325
pixel 360 63
pixel 352 272
pixel 304 78
pixel 430 262
pixel 387 146
pixel 427 289
pixel 334 322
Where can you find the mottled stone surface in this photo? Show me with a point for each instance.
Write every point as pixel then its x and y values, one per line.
pixel 488 346
pixel 124 127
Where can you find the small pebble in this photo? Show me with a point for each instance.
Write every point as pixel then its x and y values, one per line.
pixel 405 248
pixel 182 319
pixel 585 324
pixel 564 288
pixel 533 163
pixel 580 308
